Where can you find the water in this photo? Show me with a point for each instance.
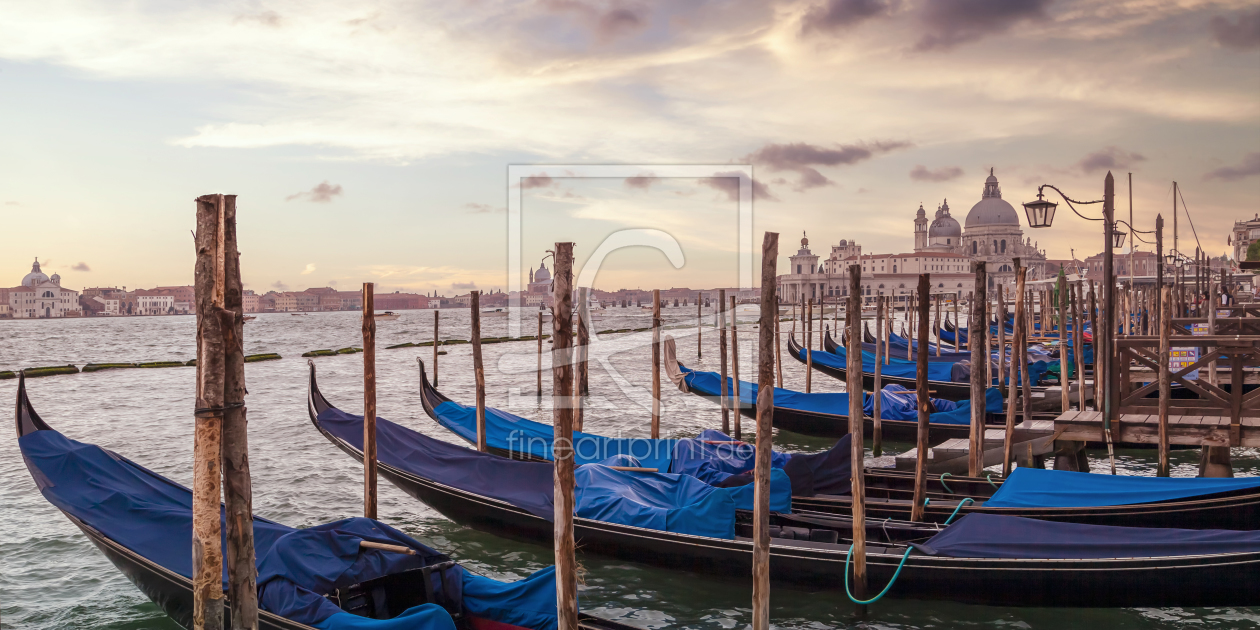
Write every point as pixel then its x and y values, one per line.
pixel 52 577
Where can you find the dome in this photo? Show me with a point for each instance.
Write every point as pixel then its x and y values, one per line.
pixel 35 276
pixel 844 242
pixel 992 209
pixel 944 226
pixel 56 279
pixel 542 275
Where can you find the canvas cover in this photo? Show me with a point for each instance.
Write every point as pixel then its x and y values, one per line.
pixel 1038 488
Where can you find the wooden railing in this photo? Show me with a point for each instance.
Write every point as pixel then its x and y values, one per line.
pixel 1249 325
pixel 1234 356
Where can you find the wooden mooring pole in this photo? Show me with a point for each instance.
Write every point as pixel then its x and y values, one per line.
pixel 1065 397
pixel 736 401
pixel 778 341
pixel 540 354
pixel 722 396
pixel 656 364
pixel 369 400
pixel 809 350
pixel 479 371
pixel 699 319
pixel 237 486
pixel 877 446
pixel 207 550
pixel 766 337
pixel 854 389
pixel 977 332
pixel 924 402
pixel 1016 373
pixel 436 342
pixel 562 418
pixel 583 358
pixel 1165 380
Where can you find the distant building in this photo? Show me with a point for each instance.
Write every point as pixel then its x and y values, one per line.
pixel 1245 233
pixel 249 301
pixel 42 297
pixel 399 301
pixel 152 302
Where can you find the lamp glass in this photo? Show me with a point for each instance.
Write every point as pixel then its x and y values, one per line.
pixel 1040 212
pixel 1117 238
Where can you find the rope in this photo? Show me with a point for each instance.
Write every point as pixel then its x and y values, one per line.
pixel 943 476
pixel 212 411
pixel 960 504
pixel 849 554
pixel 989 476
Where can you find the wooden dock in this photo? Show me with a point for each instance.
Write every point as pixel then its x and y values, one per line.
pixel 1141 428
pixel 1032 442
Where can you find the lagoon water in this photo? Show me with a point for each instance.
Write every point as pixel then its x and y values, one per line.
pixel 52 577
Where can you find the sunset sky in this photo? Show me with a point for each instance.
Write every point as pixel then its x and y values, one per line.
pixel 370 141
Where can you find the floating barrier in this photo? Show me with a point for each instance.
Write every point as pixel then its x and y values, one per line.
pixel 266 356
pixel 319 353
pixel 349 350
pixel 36 372
pixel 97 367
pixel 162 364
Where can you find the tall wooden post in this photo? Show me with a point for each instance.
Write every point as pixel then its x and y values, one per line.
pixel 436 342
pixel 722 396
pixel 765 422
pixel 924 402
pixel 854 388
pixel 699 319
pixel 877 446
pixel 1211 317
pixel 736 400
pixel 207 550
pixel 1165 380
pixel 237 486
pixel 540 353
pixel 778 341
pixel 479 372
pixel 809 349
pixel 369 400
pixel 1099 381
pixel 1065 397
pixel 1159 269
pixel 1016 374
pixel 1001 331
pixel 957 325
pixel 1108 330
pixel 977 332
pixel 911 310
pixel 937 325
pixel 1078 342
pixel 656 364
pixel 583 356
pixel 562 418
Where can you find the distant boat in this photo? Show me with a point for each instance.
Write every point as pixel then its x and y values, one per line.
pixel 249 318
pixel 296 314
pixel 387 316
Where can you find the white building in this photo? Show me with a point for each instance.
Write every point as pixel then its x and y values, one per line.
pixel 41 297
pixel 155 304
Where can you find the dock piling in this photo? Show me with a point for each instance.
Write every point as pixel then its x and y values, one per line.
pixel 764 443
pixel 479 372
pixel 369 401
pixel 736 401
pixel 656 364
pixel 562 418
pixel 924 403
pixel 977 333
pixel 854 388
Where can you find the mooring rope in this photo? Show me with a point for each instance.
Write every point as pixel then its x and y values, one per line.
pixel 943 476
pixel 848 555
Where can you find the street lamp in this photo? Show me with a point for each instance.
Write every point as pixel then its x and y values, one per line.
pixel 1118 237
pixel 1040 212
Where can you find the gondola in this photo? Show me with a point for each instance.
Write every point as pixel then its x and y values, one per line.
pixel 834 366
pixel 141 521
pixel 897 350
pixel 981 558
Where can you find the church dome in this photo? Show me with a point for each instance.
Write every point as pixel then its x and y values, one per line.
pixel 992 209
pixel 542 275
pixel 35 276
pixel 944 226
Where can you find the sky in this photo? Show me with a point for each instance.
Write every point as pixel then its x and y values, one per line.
pixel 371 141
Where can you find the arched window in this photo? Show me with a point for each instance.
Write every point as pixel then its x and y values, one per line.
pixel 1003 246
pixel 941 285
pixel 48 294
pixel 973 248
pixel 948 240
pixel 798 269
pixel 894 268
pixel 995 246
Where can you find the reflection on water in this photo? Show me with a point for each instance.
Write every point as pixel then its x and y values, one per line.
pixel 51 577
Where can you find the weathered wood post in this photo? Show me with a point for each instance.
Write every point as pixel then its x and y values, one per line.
pixel 369 400
pixel 765 422
pixel 1159 269
pixel 656 364
pixel 1078 343
pixel 809 350
pixel 911 309
pixel 237 486
pixel 1211 317
pixel 583 356
pixel 778 341
pixel 854 388
pixel 699 320
pixel 877 446
pixel 1065 397
pixel 722 396
pixel 1001 333
pixel 957 325
pixel 1017 333
pixel 1099 381
pixel 479 372
pixel 562 418
pixel 207 550
pixel 540 353
pixel 736 401
pixel 1165 381
pixel 437 342
pixel 937 325
pixel 924 402
pixel 977 332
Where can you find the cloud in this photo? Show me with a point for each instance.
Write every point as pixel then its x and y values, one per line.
pixel 463 286
pixel 279 285
pixel 537 181
pixel 801 158
pixel 1249 166
pixel 1242 34
pixel 482 208
pixel 920 173
pixel 617 20
pixel 641 182
pixel 12 203
pixel 332 283
pixel 953 22
pixel 322 193
pixel 310 268
pixel 81 266
pixel 728 182
pixel 836 15
pixel 1110 158
pixel 265 18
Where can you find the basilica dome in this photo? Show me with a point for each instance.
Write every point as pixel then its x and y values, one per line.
pixel 992 209
pixel 35 276
pixel 542 275
pixel 944 225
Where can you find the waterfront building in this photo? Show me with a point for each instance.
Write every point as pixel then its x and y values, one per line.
pixel 1245 233
pixel 42 297
pixel 152 302
pixel 249 301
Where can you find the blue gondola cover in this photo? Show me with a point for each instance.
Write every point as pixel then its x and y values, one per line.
pixel 1038 488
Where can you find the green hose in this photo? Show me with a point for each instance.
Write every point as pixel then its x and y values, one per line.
pixel 989 476
pixel 943 476
pixel 960 504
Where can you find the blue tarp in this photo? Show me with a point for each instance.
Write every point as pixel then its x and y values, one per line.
pixel 898 345
pixel 900 369
pixel 528 485
pixel 152 516
pixel 993 536
pixel 892 405
pixel 1037 488
pixel 511 432
pixel 1069 347
pixel 707 459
